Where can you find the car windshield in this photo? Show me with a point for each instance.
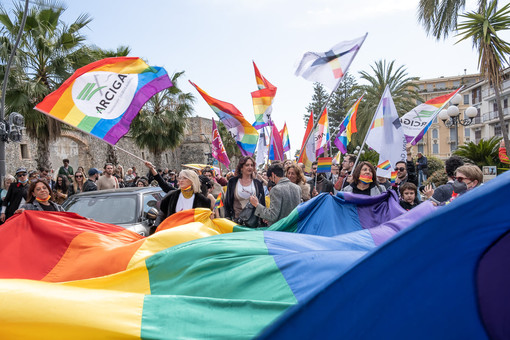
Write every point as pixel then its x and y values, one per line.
pixel 113 209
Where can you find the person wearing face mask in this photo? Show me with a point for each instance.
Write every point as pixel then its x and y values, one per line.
pixel 469 175
pixel 16 194
pixel 444 192
pixel 322 185
pixel 364 181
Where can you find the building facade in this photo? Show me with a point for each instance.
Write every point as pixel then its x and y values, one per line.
pixel 441 141
pixel 87 151
pixel 482 96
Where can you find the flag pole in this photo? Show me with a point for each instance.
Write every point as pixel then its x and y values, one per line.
pixel 368 131
pixel 331 94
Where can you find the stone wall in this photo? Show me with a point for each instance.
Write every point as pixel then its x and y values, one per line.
pixel 85 150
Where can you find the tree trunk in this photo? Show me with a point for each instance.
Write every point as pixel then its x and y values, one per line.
pixel 111 155
pixel 504 131
pixel 43 153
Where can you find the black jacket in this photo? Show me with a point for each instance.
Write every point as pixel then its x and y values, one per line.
pixel 169 203
pixel 15 194
pixel 228 201
pixel 89 185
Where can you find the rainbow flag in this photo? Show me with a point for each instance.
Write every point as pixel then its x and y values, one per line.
pixel 243 132
pixel 417 121
pixel 308 152
pixel 503 158
pixel 336 159
pixel 262 100
pixel 385 165
pixel 276 144
pixel 347 128
pixel 284 134
pixel 103 281
pixel 103 97
pixel 393 177
pixel 322 133
pixel 219 201
pixel 324 164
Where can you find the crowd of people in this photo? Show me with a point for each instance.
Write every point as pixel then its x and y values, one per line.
pixel 246 196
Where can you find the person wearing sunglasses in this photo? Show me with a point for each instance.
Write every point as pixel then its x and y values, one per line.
pixel 470 175
pixel 77 186
pixel 444 192
pixel 16 194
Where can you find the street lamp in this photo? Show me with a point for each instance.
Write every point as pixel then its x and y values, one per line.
pixel 210 158
pixel 451 116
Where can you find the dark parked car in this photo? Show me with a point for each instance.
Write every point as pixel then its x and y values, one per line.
pixel 127 207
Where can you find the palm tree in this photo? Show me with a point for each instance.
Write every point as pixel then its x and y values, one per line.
pixel 403 90
pixel 49 52
pixel 439 18
pixel 161 123
pixel 483 28
pixel 483 153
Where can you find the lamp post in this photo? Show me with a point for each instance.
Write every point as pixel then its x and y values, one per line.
pixel 451 116
pixel 210 158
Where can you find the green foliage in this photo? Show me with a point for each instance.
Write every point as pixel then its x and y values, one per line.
pixel 48 53
pixel 318 100
pixel 161 123
pixel 438 177
pixel 434 164
pixel 402 87
pixel 483 153
pixel 439 18
pixel 369 156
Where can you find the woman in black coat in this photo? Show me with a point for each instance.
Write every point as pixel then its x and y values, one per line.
pixel 241 187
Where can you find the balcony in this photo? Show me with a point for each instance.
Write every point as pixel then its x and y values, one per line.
pixel 494 115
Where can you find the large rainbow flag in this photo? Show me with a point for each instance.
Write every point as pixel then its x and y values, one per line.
pixel 262 100
pixel 417 121
pixel 244 133
pixel 103 97
pixel 347 128
pixel 75 278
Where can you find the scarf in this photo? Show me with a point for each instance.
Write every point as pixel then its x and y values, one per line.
pixel 40 200
pixel 187 192
pixel 365 179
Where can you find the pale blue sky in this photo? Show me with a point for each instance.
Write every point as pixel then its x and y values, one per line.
pixel 215 41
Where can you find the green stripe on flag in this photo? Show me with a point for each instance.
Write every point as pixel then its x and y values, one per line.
pixel 88 123
pixel 233 271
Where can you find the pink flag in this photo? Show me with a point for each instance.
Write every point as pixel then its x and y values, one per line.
pixel 276 144
pixel 218 150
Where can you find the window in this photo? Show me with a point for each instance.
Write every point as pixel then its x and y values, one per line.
pixel 435 120
pixel 435 133
pixel 453 134
pixel 143 155
pixel 166 156
pixel 495 106
pixel 440 86
pixel 466 99
pixel 453 147
pixel 505 103
pixel 456 83
pixel 435 148
pixel 467 132
pixel 420 148
pixel 24 151
pixel 430 88
pixel 478 134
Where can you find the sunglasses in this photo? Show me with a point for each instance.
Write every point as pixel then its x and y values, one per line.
pixel 78 176
pixel 20 175
pixel 400 169
pixel 462 179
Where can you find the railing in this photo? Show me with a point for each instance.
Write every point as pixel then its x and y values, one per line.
pixel 494 115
